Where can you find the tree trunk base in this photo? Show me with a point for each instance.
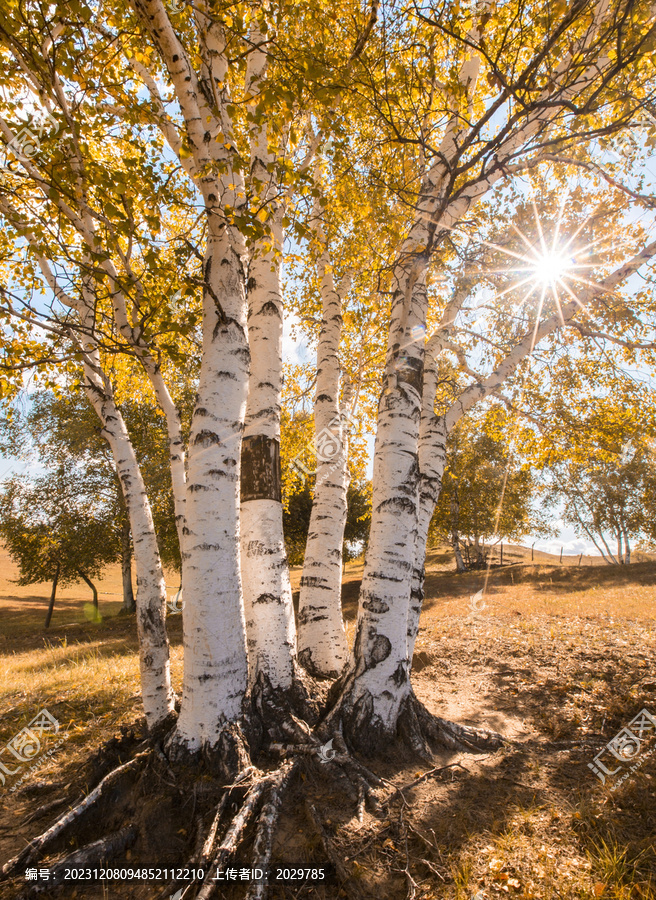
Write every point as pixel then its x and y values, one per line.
pixel 417 730
pixel 224 760
pixel 280 716
pixel 228 806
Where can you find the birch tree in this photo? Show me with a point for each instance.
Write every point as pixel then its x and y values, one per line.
pixel 321 637
pixel 564 78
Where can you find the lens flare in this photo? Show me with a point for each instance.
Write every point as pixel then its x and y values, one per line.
pixel 551 268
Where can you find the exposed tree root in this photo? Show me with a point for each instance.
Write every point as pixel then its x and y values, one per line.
pixel 240 804
pixel 42 811
pixel 38 844
pixel 203 855
pixel 273 784
pixel 268 820
pixel 333 855
pixel 421 729
pixel 93 855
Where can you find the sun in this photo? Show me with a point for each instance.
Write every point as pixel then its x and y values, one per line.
pixel 551 268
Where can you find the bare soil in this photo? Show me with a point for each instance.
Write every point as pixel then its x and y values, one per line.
pixel 558 658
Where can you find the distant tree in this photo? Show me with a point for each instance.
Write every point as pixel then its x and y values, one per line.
pixel 610 497
pixel 486 491
pixel 358 520
pixel 57 528
pixel 56 429
pixel 296 521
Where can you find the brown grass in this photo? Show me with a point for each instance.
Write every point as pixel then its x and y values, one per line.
pixel 559 658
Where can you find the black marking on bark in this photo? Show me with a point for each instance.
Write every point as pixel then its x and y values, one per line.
pixel 375 605
pixel 207 438
pixel 270 309
pixel 260 469
pixel 411 372
pixel 259 548
pixel 267 598
pixel 243 352
pixel 401 504
pixel 326 397
pixel 305 660
pixel 400 674
pixel 402 564
pixel 377 650
pixel 314 581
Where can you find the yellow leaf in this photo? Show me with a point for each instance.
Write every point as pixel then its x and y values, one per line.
pixel 598 889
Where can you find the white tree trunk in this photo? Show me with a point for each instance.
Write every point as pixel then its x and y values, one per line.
pixel 380 677
pixel 157 693
pixel 460 565
pixel 176 443
pixel 322 647
pixel 156 690
pixel 215 663
pixel 432 459
pixel 268 607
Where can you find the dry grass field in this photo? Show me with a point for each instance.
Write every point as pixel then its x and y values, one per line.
pixel 558 658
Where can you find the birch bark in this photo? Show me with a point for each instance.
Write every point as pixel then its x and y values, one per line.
pixel 157 693
pixel 216 668
pixel 268 608
pixel 268 605
pixel 379 682
pixel 215 662
pixel 322 647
